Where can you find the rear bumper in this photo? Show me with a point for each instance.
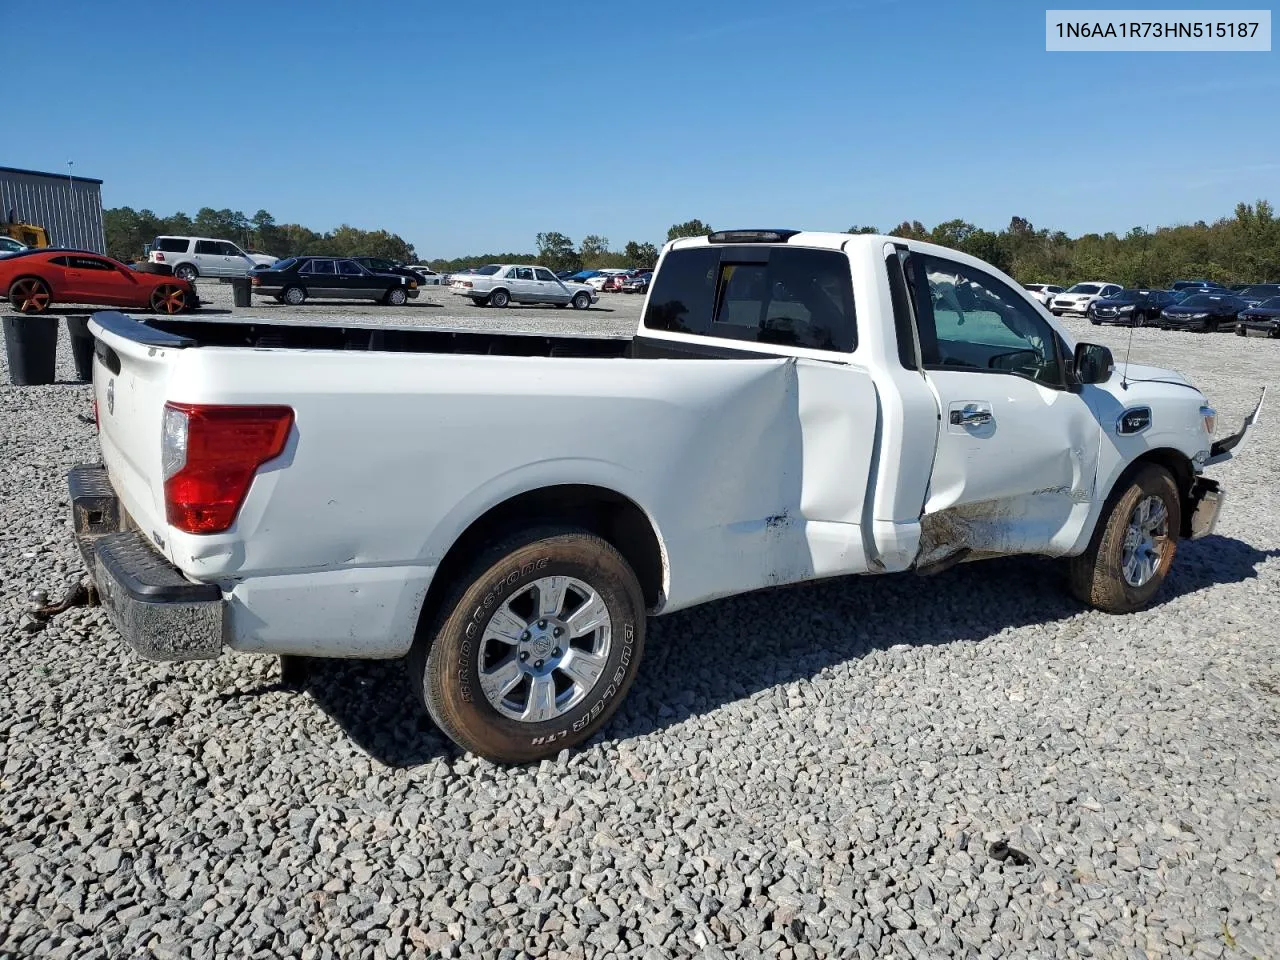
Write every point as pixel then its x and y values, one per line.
pixel 160 613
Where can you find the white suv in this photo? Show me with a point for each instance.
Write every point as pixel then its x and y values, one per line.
pixel 193 257
pixel 1076 299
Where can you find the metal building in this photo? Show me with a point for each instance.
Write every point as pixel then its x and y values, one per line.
pixel 70 208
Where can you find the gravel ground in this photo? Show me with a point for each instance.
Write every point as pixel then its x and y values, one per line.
pixel 968 765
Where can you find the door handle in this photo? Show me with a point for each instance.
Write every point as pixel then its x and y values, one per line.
pixel 970 416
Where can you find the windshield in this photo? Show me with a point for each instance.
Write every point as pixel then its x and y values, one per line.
pixel 1201 300
pixel 1272 304
pixel 284 264
pixel 1261 290
pixel 1127 296
pixel 1085 288
pixel 489 270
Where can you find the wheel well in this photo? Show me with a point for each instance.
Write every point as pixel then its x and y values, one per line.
pixel 607 514
pixel 28 276
pixel 186 263
pixel 1177 463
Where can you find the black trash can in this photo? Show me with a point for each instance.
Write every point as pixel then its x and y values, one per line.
pixel 81 347
pixel 32 345
pixel 241 292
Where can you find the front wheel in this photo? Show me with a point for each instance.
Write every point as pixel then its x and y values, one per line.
pixel 1139 319
pixel 581 301
pixel 396 297
pixel 535 648
pixel 1133 547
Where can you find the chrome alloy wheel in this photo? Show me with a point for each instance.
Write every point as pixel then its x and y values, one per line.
pixel 544 649
pixel 1145 541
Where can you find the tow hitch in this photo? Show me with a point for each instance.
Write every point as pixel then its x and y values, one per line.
pixel 83 594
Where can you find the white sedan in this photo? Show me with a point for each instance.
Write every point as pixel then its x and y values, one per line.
pixel 429 277
pixel 1044 292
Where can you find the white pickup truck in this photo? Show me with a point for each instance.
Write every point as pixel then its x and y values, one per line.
pixel 503 510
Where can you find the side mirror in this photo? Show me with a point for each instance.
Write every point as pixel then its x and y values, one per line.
pixel 1093 363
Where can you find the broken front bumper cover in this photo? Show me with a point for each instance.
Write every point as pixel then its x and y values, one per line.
pixel 158 611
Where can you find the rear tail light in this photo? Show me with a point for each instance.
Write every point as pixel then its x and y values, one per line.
pixel 210 456
pixel 466 283
pixel 257 281
pixel 159 258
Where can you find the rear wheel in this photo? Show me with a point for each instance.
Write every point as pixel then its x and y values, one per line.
pixel 535 648
pixel 186 271
pixel 30 295
pixel 499 298
pixel 168 299
pixel 581 300
pixel 1133 547
pixel 294 296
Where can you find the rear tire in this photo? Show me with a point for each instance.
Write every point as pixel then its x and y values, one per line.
pixel 294 296
pixel 186 271
pixel 554 610
pixel 1129 557
pixel 499 298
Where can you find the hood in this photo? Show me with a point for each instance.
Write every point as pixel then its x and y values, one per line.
pixel 1141 371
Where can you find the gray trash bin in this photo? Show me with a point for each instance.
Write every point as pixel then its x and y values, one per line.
pixel 242 292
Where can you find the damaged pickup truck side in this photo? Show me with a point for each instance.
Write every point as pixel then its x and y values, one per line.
pixel 503 510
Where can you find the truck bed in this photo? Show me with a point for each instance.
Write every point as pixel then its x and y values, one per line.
pixel 265 334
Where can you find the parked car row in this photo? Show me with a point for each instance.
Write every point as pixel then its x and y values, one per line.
pixel 1201 305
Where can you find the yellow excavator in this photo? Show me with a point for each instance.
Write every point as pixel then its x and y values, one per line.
pixel 28 234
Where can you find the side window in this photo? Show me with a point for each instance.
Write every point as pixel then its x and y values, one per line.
pixel 229 249
pixel 172 244
pixel 90 263
pixel 969 319
pixel 544 274
pixel 321 267
pixel 348 269
pixel 789 296
pixel 61 261
pixel 524 273
pixel 207 246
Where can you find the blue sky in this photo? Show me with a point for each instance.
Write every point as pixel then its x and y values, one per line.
pixel 470 128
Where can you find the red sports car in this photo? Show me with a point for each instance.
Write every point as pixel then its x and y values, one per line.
pixel 34 279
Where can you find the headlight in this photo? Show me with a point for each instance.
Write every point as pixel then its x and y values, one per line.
pixel 1210 418
pixel 1199 316
pixel 1127 308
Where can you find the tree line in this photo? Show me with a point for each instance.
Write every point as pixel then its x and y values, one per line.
pixel 128 230
pixel 1240 248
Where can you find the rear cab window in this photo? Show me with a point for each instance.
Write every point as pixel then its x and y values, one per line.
pixel 782 296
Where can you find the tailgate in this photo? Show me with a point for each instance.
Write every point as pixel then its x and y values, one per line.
pixel 132 367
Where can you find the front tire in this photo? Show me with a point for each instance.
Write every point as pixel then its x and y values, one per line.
pixel 294 296
pixel 396 297
pixel 581 301
pixel 1133 546
pixel 535 648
